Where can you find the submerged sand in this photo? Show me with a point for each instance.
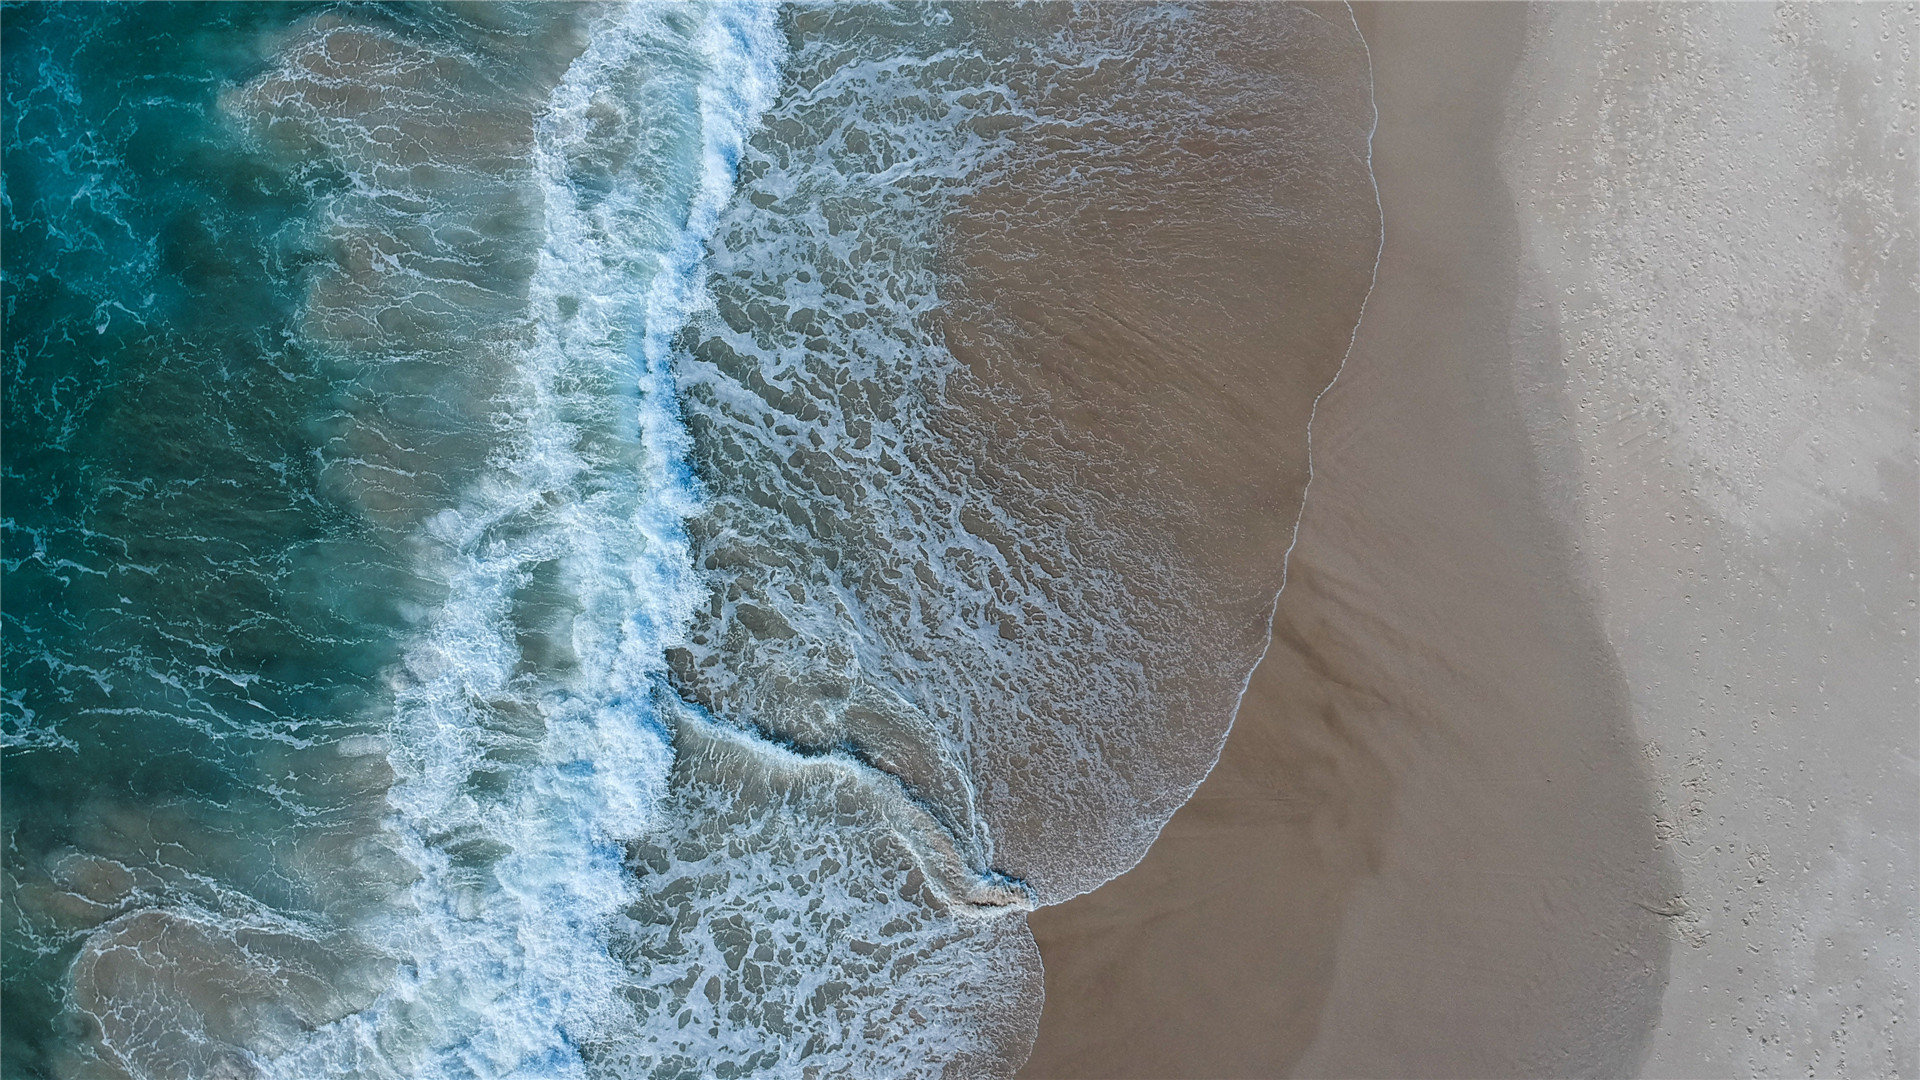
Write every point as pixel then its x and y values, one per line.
pixel 1585 744
pixel 1136 401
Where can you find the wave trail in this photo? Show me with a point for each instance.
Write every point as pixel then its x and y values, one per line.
pixel 936 850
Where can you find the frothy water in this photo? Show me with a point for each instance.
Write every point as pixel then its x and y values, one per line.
pixel 505 575
pixel 517 784
pixel 938 568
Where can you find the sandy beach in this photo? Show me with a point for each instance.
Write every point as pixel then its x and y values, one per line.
pixel 1716 345
pixel 1479 814
pixel 1429 808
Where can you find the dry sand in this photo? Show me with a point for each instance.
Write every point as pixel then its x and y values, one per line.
pixel 1597 657
pixel 1719 338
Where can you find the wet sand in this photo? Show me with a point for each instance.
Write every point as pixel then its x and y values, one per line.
pixel 1137 399
pixel 1719 318
pixel 1427 849
pixel 1585 745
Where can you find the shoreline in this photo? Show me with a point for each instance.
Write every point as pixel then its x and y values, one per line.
pixel 1340 886
pixel 1138 396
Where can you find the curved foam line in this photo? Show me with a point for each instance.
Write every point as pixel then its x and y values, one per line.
pixel 1380 212
pixel 1286 557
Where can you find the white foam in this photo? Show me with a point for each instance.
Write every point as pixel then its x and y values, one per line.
pixel 783 929
pixel 504 963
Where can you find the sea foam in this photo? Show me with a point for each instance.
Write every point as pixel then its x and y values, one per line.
pixel 518 784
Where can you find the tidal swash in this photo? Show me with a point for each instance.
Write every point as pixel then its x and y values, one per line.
pixel 633 541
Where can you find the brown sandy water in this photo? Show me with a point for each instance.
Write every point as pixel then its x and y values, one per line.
pixel 1426 849
pixel 1015 547
pixel 1152 292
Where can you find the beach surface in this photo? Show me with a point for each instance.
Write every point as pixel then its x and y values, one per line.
pixel 1584 743
pixel 1716 344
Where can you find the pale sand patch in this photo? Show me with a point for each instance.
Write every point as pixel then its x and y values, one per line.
pixel 1722 334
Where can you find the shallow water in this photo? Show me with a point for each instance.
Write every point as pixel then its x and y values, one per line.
pixel 567 541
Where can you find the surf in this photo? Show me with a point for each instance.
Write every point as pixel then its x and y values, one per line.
pixel 516 789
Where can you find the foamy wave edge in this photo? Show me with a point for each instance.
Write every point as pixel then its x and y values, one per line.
pixel 507 972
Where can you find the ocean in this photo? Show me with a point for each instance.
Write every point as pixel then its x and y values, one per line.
pixel 632 541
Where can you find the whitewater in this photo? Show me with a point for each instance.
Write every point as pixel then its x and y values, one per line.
pixel 526 790
pixel 507 972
